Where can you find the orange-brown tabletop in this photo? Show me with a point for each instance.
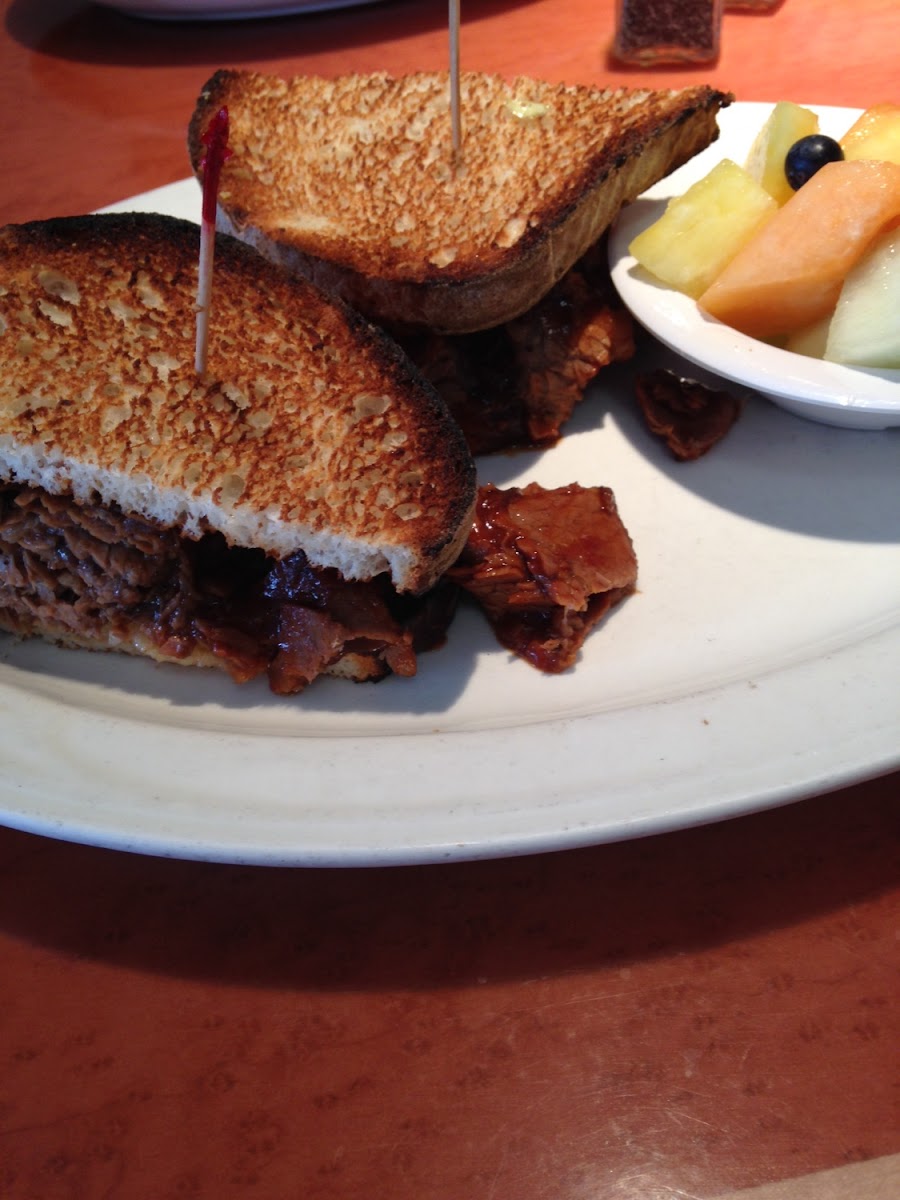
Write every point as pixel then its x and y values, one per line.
pixel 707 1011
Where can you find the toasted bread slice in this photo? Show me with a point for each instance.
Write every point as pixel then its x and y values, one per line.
pixel 352 182
pixel 309 431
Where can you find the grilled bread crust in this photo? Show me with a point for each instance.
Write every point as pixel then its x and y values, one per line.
pixel 310 429
pixel 352 182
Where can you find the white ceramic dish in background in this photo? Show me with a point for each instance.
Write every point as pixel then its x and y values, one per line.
pixel 852 397
pixel 757 664
pixel 224 10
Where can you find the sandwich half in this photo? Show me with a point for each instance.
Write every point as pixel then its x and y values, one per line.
pixel 278 516
pixel 352 182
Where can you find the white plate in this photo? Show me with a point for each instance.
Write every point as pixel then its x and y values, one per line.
pixel 758 664
pixel 224 10
pixel 848 396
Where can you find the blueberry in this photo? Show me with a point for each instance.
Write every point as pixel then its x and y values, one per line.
pixel 806 157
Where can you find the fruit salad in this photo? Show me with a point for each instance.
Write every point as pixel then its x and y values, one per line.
pixel 800 244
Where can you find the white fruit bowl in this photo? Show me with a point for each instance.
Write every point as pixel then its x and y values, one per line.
pixel 833 394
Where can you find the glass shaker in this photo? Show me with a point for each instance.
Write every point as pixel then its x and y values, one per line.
pixel 652 32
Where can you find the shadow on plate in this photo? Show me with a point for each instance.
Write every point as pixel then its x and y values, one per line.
pixel 774 468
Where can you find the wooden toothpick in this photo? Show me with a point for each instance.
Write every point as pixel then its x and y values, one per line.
pixel 216 141
pixel 455 119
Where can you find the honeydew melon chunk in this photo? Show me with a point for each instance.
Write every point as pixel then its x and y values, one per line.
pixel 865 328
pixel 876 134
pixel 786 124
pixel 791 273
pixel 811 340
pixel 701 230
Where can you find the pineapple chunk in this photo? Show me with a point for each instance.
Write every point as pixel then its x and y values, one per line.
pixel 875 135
pixel 787 123
pixel 790 275
pixel 865 328
pixel 701 231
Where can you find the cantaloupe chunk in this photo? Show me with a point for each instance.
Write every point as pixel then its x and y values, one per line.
pixel 875 135
pixel 791 273
pixel 786 124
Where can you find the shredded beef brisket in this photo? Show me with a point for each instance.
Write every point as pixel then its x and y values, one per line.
pixel 88 574
pixel 690 417
pixel 516 385
pixel 545 565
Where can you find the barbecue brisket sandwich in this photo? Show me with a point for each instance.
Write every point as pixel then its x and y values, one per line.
pixel 290 513
pixel 481 267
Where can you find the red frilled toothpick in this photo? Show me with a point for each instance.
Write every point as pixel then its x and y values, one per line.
pixel 217 153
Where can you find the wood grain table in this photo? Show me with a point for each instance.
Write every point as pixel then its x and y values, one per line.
pixel 691 1015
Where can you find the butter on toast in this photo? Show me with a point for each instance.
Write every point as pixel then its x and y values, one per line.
pixel 310 430
pixel 351 182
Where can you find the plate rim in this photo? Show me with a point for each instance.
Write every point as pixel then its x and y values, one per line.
pixel 852 750
pixel 226 10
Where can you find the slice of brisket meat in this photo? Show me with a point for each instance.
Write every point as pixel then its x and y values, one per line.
pixel 545 565
pixel 515 386
pixel 83 572
pixel 687 415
